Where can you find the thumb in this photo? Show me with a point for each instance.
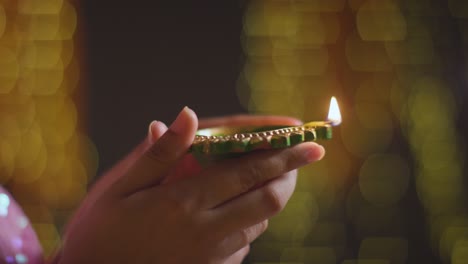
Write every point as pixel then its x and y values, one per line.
pixel 151 168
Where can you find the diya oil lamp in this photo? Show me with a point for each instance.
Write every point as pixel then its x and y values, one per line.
pixel 221 141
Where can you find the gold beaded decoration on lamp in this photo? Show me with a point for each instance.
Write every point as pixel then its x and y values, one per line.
pixel 225 140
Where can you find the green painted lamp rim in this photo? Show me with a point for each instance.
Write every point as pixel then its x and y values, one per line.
pixel 229 140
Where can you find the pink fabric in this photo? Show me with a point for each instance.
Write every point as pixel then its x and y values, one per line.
pixel 18 241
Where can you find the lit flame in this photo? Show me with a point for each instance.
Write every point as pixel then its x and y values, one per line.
pixel 334 115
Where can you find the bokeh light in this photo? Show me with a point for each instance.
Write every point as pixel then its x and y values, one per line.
pixel 2 20
pixel 8 70
pixel 45 161
pixel 384 179
pixel 380 20
pixel 396 163
pixel 393 249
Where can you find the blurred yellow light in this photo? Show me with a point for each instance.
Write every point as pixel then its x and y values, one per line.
pixel 9 69
pixel 276 102
pixel 437 154
pixel 41 81
pixel 441 192
pixel 84 147
pixel 313 178
pixel 41 54
pixel 384 179
pixel 374 116
pixel 376 24
pixel 391 58
pixel 355 4
pixel 39 7
pixel 39 27
pixel 281 19
pixel 2 20
pixel 256 47
pixel 367 261
pixel 361 140
pixel 49 236
pixel 30 147
pixel 68 49
pixel 338 164
pixel 57 112
pixel 276 19
pixel 7 161
pixel 34 171
pixel 375 89
pixel 394 249
pixel 254 24
pixel 10 131
pixel 334 114
pixel 366 56
pixel 414 50
pixel 398 100
pixel 300 62
pixel 332 30
pixel 71 77
pixel 68 21
pixel 312 29
pixel 22 108
pixel 303 211
pixel 371 220
pixel 77 171
pixel 453 235
pixel 319 6
pixel 460 251
pixel 38 118
pixel 261 76
pixel 322 255
pixel 316 89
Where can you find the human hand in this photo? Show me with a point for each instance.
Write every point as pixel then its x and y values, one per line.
pixel 187 167
pixel 137 219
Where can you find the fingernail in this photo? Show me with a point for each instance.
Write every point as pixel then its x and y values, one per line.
pixel 298 122
pixel 180 123
pixel 150 128
pixel 315 154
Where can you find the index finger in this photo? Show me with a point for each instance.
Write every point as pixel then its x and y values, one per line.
pixel 248 120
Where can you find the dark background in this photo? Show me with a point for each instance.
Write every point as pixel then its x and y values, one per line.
pixel 145 60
